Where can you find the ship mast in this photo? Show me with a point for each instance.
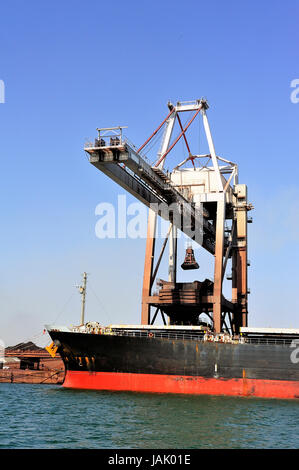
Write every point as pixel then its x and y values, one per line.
pixel 82 290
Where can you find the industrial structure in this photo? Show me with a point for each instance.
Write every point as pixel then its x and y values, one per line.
pixel 28 363
pixel 204 201
pixel 221 356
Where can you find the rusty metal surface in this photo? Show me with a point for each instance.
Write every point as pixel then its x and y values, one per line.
pixel 32 377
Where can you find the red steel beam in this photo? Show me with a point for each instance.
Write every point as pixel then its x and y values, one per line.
pixel 185 138
pixel 180 123
pixel 155 132
pixel 178 138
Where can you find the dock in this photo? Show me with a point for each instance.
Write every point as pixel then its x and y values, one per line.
pixel 28 363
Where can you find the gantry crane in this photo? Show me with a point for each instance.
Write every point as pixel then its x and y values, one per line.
pixel 205 202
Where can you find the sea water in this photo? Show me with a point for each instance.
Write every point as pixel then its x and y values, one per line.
pixel 51 417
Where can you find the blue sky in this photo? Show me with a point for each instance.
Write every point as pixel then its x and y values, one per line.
pixel 71 66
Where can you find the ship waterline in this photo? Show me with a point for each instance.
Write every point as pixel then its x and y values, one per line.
pixel 154 383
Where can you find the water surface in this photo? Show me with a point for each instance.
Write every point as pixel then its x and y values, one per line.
pixel 51 417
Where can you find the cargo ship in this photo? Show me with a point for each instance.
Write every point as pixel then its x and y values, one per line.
pixel 203 344
pixel 175 359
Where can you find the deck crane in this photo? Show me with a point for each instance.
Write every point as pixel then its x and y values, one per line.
pixel 205 202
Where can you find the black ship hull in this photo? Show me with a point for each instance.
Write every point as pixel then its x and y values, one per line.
pixel 168 365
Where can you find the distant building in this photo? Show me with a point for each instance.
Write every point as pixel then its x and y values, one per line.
pixel 28 363
pixel 10 363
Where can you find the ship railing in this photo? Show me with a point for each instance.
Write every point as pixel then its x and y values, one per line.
pixel 270 341
pixel 197 337
pixel 158 334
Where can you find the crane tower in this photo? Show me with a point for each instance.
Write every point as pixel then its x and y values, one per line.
pixel 205 202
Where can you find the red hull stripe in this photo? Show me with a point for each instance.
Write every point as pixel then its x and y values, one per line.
pixel 181 384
